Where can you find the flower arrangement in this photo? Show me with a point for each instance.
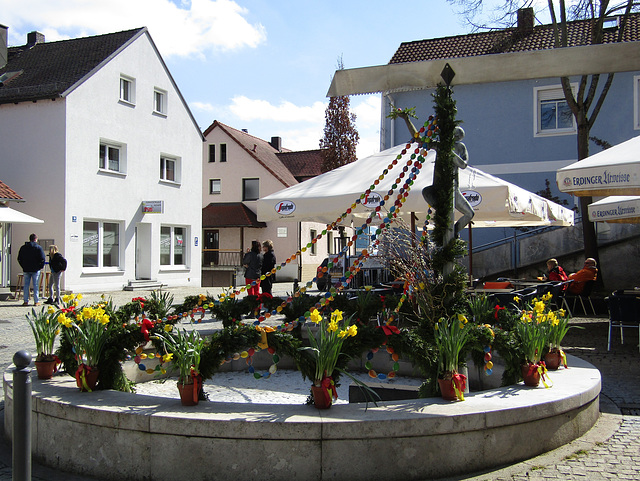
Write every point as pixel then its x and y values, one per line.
pixel 326 349
pixel 450 338
pixel 45 329
pixel 184 349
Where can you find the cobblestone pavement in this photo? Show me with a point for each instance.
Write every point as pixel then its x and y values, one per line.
pixel 611 450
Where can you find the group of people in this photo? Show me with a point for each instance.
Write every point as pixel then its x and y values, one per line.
pixel 32 260
pixel 258 261
pixel 588 273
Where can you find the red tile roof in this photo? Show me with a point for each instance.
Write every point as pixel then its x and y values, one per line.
pixel 7 193
pixel 261 150
pixel 229 214
pixel 304 164
pixel 507 40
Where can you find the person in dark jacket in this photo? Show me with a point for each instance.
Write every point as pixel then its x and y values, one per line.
pixel 31 259
pixel 58 265
pixel 268 263
pixel 252 263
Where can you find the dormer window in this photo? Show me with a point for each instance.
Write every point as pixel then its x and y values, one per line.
pixel 127 90
pixel 611 23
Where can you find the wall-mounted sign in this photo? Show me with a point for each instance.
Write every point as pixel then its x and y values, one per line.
pixel 153 206
pixel 195 241
pixel 74 218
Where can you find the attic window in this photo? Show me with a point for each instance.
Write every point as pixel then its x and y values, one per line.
pixel 127 90
pixel 611 23
pixel 8 77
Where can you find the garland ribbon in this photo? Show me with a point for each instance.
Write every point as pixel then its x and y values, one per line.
pixel 458 385
pixel 329 388
pixel 58 361
pixel 196 379
pixel 564 358
pixel 81 376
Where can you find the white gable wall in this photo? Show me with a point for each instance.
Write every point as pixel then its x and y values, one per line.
pixel 95 113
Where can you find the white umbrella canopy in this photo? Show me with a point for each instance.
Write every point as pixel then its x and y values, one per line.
pixel 324 198
pixel 7 214
pixel 615 171
pixel 622 209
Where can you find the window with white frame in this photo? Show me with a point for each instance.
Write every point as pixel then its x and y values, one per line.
pixel 312 234
pixel 250 189
pixel 173 246
pixel 552 115
pixel 159 101
pixel 330 242
pixel 169 169
pixel 214 186
pixel 112 157
pixel 100 244
pixel 127 89
pixel 636 102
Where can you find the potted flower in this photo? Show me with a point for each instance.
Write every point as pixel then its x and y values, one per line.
pixel 451 337
pixel 558 328
pixel 184 350
pixel 88 330
pixel 45 329
pixel 533 332
pixel 324 352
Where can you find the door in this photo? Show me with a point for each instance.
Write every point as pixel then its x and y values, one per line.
pixel 144 248
pixel 211 254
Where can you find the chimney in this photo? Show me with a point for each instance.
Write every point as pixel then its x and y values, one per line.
pixel 525 20
pixel 276 143
pixel 34 38
pixel 4 52
pixel 246 131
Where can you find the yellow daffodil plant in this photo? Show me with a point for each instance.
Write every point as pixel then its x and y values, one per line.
pixel 87 329
pixel 45 328
pixel 450 337
pixel 184 350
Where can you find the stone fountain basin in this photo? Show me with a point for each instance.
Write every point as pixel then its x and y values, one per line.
pixel 116 435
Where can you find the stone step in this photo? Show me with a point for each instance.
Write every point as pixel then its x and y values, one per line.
pixel 144 284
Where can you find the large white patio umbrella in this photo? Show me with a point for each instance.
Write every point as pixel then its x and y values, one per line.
pixel 622 209
pixel 9 215
pixel 615 171
pixel 496 203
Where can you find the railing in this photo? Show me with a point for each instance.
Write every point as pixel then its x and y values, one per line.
pixel 221 258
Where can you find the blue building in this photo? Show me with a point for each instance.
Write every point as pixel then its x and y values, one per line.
pixel 509 97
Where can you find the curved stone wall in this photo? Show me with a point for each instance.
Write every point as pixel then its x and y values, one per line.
pixel 118 435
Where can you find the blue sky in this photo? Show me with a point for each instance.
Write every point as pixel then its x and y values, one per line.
pixel 263 65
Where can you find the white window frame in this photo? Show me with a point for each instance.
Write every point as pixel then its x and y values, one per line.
pixel 127 96
pixel 103 163
pixel 100 246
pixel 636 102
pixel 185 246
pixel 550 92
pixel 211 184
pixel 165 159
pixel 160 108
pixel 312 235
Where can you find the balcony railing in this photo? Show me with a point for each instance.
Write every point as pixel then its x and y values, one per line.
pixel 221 258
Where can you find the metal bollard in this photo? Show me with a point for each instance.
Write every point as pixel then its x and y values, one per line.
pixel 21 416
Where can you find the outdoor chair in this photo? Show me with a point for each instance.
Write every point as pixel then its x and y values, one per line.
pixel 505 299
pixel 558 298
pixel 624 311
pixel 585 295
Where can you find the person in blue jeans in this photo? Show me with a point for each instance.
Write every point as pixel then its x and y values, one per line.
pixel 31 259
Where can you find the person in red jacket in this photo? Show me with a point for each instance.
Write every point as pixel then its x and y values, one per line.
pixel 556 273
pixel 588 273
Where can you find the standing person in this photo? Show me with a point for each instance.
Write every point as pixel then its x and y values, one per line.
pixel 31 259
pixel 268 263
pixel 252 263
pixel 588 273
pixel 58 265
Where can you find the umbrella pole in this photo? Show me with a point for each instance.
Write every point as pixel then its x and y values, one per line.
pixel 413 229
pixel 470 251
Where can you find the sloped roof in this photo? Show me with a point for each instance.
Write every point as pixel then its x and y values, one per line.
pixel 509 40
pixel 261 150
pixel 50 68
pixel 7 193
pixel 229 214
pixel 304 164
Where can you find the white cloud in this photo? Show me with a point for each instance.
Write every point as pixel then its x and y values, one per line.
pixel 255 109
pixel 192 28
pixel 367 110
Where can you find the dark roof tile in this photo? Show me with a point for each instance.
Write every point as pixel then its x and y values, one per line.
pixel 229 214
pixel 304 164
pixel 506 41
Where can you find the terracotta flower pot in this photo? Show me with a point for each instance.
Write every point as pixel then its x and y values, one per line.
pixel 188 394
pixel 87 377
pixel 530 374
pixel 446 383
pixel 553 359
pixel 321 397
pixel 47 368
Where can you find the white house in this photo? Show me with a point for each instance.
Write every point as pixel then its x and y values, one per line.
pixel 238 168
pixel 96 134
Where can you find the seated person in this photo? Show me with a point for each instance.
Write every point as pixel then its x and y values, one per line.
pixel 588 273
pixel 555 272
